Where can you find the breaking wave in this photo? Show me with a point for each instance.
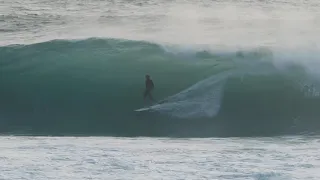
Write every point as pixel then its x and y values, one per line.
pixel 93 86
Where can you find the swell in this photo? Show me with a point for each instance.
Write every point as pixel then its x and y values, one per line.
pixel 92 86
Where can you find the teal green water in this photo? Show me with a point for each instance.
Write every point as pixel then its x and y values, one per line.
pixel 93 87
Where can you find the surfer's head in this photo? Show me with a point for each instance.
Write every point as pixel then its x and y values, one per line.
pixel 147 76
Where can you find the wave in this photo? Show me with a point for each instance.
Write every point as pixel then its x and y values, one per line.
pixel 93 86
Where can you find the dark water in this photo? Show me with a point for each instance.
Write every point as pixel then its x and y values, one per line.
pixel 93 86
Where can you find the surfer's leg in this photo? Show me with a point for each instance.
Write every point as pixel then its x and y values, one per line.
pixel 145 94
pixel 150 96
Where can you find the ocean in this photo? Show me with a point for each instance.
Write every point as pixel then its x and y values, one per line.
pixel 276 158
pixel 238 83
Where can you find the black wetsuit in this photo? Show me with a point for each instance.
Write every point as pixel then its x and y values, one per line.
pixel 149 88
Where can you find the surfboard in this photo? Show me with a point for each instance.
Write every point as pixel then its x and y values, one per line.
pixel 142 109
pixel 147 108
pixel 152 106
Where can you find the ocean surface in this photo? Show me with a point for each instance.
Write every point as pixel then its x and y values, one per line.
pixel 100 158
pixel 238 82
pixel 220 68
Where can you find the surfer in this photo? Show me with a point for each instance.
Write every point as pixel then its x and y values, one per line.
pixel 149 88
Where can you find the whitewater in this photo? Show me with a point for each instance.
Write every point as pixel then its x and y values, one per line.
pixel 238 82
pixel 102 158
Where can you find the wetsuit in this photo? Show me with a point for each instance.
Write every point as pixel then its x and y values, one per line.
pixel 149 88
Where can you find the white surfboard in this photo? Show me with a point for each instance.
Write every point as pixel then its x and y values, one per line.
pixel 147 108
pixel 143 109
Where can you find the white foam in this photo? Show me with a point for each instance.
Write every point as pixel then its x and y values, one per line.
pixel 203 99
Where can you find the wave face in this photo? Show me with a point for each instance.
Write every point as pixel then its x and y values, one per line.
pixel 93 86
